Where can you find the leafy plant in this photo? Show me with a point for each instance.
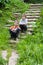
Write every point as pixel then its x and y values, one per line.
pixel 33 1
pixel 2 61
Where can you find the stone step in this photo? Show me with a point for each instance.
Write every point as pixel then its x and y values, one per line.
pixel 32 14
pixel 13 58
pixel 22 34
pixel 25 34
pixel 8 25
pixel 32 11
pixel 29 29
pixel 36 4
pixel 31 20
pixel 35 7
pixel 10 21
pixel 31 26
pixel 31 23
pixel 32 17
pixel 29 33
pixel 13 41
pixel 4 54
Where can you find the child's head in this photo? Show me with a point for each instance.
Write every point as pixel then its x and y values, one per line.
pixel 23 16
pixel 16 22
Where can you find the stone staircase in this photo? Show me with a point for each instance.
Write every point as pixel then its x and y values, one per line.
pixel 32 14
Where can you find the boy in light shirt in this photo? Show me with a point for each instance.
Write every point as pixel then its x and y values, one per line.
pixel 23 23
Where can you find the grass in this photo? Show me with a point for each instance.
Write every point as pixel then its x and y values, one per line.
pixel 30 51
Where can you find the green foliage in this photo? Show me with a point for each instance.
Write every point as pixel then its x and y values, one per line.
pixel 36 1
pixel 19 6
pixel 4 43
pixel 33 1
pixel 3 3
pixel 11 8
pixel 0 13
pixel 2 61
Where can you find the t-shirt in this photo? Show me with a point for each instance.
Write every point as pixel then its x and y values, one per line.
pixel 14 28
pixel 22 22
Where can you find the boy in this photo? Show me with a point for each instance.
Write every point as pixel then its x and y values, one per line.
pixel 14 30
pixel 23 24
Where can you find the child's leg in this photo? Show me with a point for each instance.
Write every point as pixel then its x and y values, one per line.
pixel 22 26
pixel 11 33
pixel 14 35
pixel 17 32
pixel 25 28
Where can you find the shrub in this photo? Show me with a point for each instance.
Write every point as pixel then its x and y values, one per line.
pixel 3 3
pixel 0 13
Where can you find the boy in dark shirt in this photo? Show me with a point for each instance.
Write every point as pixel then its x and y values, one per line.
pixel 14 30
